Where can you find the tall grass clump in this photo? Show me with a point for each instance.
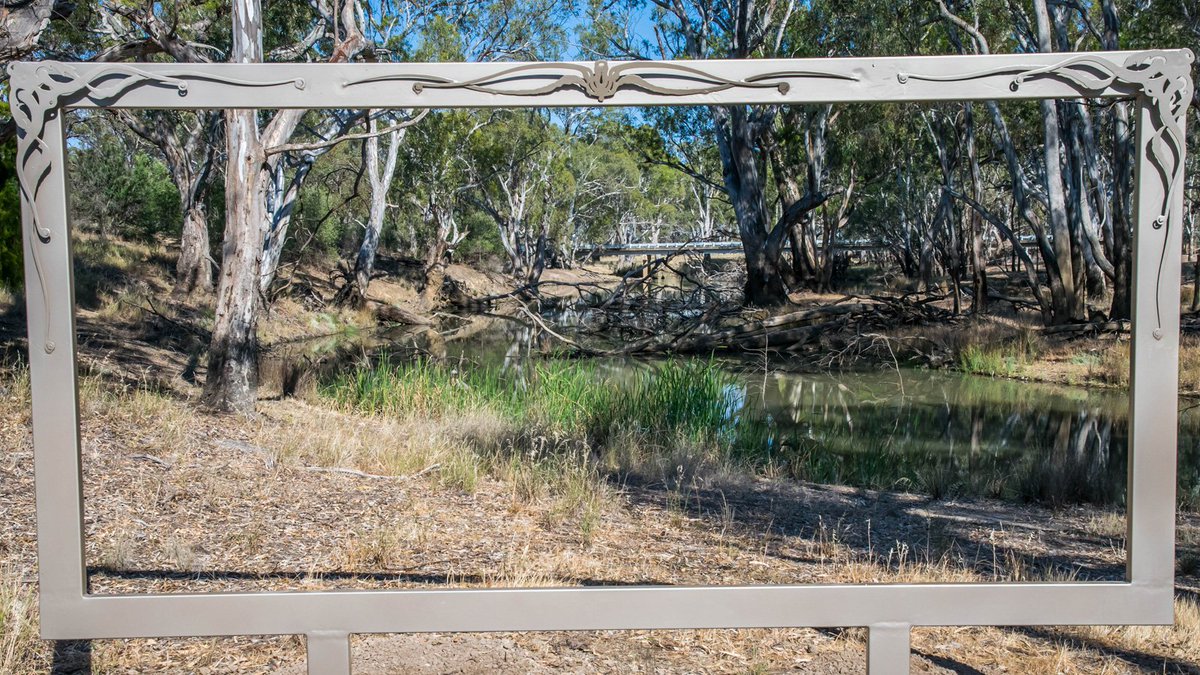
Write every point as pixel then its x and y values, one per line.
pixel 980 353
pixel 982 361
pixel 564 397
pixel 688 397
pixel 561 404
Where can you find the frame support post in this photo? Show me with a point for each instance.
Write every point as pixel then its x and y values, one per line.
pixel 1154 365
pixel 328 652
pixel 888 649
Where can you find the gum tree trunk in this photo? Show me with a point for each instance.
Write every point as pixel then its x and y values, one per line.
pixel 193 270
pixel 744 184
pixel 232 378
pixel 979 290
pixel 1068 301
pixel 380 178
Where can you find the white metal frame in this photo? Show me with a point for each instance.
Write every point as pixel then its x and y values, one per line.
pixel 1158 81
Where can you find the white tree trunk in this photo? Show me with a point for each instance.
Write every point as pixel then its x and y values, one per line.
pixel 1068 305
pixel 380 178
pixel 232 378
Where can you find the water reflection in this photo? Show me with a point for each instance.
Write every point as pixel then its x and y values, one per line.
pixel 946 433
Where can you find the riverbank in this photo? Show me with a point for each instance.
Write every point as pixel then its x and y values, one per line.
pixel 1006 342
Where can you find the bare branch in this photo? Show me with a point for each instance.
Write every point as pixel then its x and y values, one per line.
pixel 307 147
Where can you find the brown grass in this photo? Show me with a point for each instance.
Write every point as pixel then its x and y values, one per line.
pixel 461 496
pixel 20 649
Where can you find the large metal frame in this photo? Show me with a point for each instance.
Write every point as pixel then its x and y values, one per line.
pixel 1158 81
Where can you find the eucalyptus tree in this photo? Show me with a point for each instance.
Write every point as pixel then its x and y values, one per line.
pixel 329 31
pixel 511 169
pixel 476 31
pixel 738 29
pixel 434 179
pixel 608 199
pixel 1073 193
pixel 290 171
pixel 126 30
pixel 386 26
pixel 381 171
pixel 189 145
pixel 231 381
pixel 665 206
pixel 678 140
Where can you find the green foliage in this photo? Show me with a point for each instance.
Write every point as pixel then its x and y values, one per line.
pixel 121 189
pixel 11 268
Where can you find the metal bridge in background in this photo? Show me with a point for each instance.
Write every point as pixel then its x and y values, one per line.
pixel 706 247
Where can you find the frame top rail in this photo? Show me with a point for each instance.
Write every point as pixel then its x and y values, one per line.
pixel 600 83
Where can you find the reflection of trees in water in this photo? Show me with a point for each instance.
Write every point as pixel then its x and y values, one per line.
pixel 946 435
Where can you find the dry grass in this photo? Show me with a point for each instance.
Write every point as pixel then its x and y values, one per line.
pixel 1109 524
pixel 1112 366
pixel 20 649
pixel 552 527
pixel 1180 642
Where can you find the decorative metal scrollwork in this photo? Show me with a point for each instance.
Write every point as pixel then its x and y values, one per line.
pixel 35 101
pixel 1166 85
pixel 602 80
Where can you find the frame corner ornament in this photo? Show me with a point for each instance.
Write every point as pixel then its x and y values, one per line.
pixel 1160 78
pixel 41 89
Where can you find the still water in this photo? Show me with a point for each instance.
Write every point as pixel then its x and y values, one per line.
pixel 947 433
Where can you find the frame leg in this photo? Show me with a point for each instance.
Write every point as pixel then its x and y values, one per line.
pixel 328 653
pixel 888 649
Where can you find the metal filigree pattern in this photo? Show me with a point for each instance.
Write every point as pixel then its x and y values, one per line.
pixel 602 80
pixel 35 101
pixel 1166 85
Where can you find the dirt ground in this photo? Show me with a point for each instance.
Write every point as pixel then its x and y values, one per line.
pixel 180 500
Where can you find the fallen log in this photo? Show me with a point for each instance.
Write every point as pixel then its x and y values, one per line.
pixel 1087 328
pixel 791 319
pixel 396 314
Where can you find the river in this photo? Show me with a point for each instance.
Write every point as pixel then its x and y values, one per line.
pixel 937 432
